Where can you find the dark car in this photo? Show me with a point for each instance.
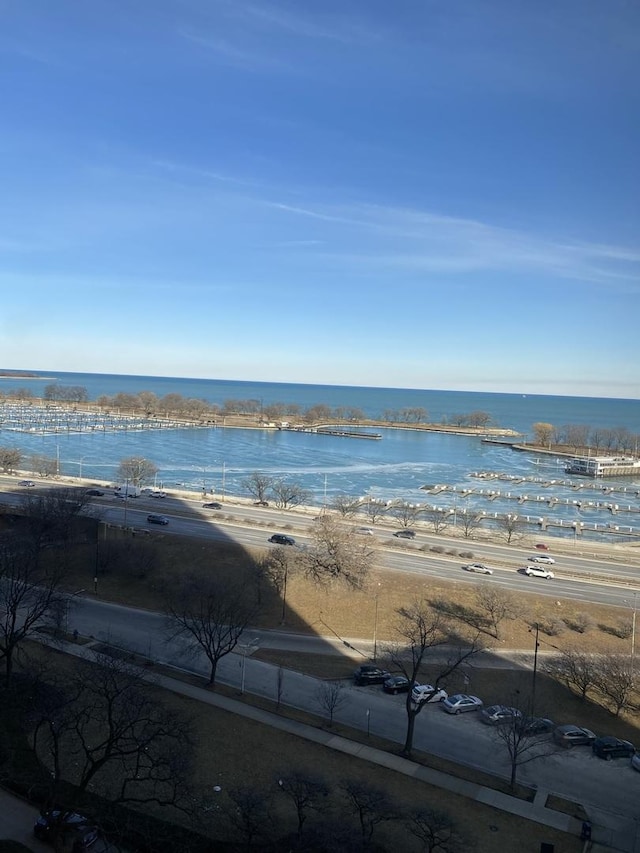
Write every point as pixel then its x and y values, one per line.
pixel 612 747
pixel 282 539
pixel 367 674
pixel 498 715
pixel 569 735
pixel 536 725
pixel 157 519
pixel 67 826
pixel 405 534
pixel 212 505
pixel 94 493
pixel 396 684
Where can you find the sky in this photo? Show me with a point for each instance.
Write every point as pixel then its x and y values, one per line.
pixel 437 194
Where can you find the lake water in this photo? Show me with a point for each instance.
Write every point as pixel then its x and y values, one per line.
pixel 220 459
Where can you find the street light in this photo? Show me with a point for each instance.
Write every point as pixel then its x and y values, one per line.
pixel 375 626
pixel 246 649
pixel 535 667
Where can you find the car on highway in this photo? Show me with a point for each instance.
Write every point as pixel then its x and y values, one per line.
pixel 94 493
pixel 612 747
pixel 369 674
pixel 461 702
pixel 426 693
pixel 396 684
pixel 364 531
pixel 212 505
pixel 569 735
pixel 536 725
pixel 281 539
pixel 498 715
pixel 479 568
pixel 542 558
pixel 405 534
pixel 635 761
pixel 29 484
pixel 67 827
pixel 538 572
pixel 157 519
pixel 542 547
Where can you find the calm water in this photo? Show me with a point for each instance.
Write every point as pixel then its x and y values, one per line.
pixel 395 467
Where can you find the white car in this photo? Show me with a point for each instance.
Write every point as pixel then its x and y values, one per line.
pixel 542 558
pixel 538 572
pixel 426 693
pixel 479 568
pixel 364 531
pixel 460 702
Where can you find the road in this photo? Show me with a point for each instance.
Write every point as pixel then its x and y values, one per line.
pixel 610 788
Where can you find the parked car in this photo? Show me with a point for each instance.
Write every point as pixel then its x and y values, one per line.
pixel 426 693
pixel 212 505
pixel 480 568
pixel 542 558
pixel 461 702
pixel 69 826
pixel 612 747
pixel 396 684
pixel 157 519
pixel 405 534
pixel 635 761
pixel 282 539
pixel 570 735
pixel 536 725
pixel 368 674
pixel 28 483
pixel 538 572
pixel 94 493
pixel 496 715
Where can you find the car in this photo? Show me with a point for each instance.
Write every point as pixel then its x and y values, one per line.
pixel 94 493
pixel 536 725
pixel 364 531
pixel 212 505
pixel 157 494
pixel 635 761
pixel 369 674
pixel 426 693
pixel 461 702
pixel 542 547
pixel 542 558
pixel 405 534
pixel 55 824
pixel 157 519
pixel 29 484
pixel 569 735
pixel 612 747
pixel 538 572
pixel 497 715
pixel 396 684
pixel 480 568
pixel 281 539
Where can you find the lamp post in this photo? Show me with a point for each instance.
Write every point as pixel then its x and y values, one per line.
pixel 633 629
pixel 246 649
pixel 535 627
pixel 223 479
pixel 375 626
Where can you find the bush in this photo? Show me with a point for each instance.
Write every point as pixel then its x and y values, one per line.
pixel 466 555
pixel 437 549
pixel 553 627
pixel 582 623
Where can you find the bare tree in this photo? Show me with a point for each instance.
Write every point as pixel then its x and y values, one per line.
pixel 523 741
pixel 543 434
pixel 337 555
pixel 287 495
pixel 249 814
pixel 426 635
pixel 278 566
pixel 331 697
pixel 374 509
pixel 258 486
pixel 44 466
pixel 345 505
pixel 511 528
pixel 29 598
pixel 10 459
pixel 371 806
pixel 579 671
pixel 51 517
pixel 497 605
pixel 616 682
pixel 406 513
pixel 102 721
pixel 137 470
pixel 436 831
pixel 307 793
pixel 468 521
pixel 437 517
pixel 210 614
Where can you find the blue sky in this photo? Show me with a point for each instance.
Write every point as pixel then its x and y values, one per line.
pixel 420 194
